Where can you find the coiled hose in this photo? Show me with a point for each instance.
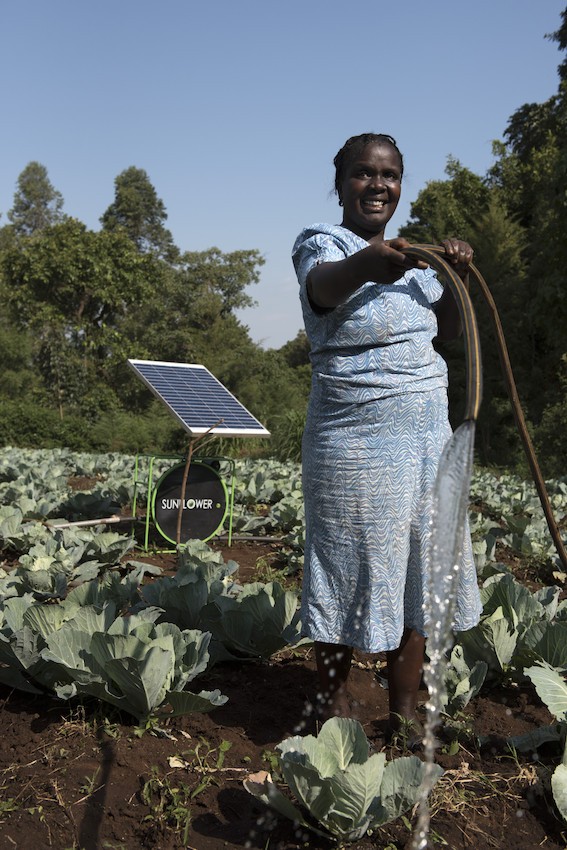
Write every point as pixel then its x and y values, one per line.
pixel 433 256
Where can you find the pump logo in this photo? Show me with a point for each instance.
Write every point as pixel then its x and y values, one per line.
pixel 188 504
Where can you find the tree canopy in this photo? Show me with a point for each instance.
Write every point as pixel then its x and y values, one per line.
pixel 140 213
pixel 37 204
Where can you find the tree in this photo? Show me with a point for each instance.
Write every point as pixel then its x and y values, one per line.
pixel 499 241
pixel 226 275
pixel 37 204
pixel 70 287
pixel 189 318
pixel 468 206
pixel 447 207
pixel 560 36
pixel 140 213
pixel 203 289
pixel 296 351
pixel 18 378
pixel 531 176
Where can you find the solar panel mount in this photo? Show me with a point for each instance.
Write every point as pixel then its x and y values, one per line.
pixel 198 400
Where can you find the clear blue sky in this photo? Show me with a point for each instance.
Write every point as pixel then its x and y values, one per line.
pixel 235 108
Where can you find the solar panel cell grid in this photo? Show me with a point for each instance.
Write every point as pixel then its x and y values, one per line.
pixel 197 399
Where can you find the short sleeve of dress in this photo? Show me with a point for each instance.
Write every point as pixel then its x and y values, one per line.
pixel 311 249
pixel 429 284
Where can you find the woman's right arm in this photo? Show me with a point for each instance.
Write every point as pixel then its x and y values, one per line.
pixel 329 284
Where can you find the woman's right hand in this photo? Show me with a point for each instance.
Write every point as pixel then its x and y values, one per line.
pixel 330 284
pixel 387 263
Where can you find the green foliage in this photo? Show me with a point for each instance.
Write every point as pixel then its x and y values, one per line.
pixel 287 435
pixel 226 275
pixel 343 788
pixel 552 690
pixel 551 434
pixel 516 628
pixel 296 351
pixel 462 683
pixel 168 802
pixel 102 639
pixel 131 433
pixel 37 204
pixel 259 621
pixel 29 424
pixel 17 377
pixel 76 279
pixel 78 303
pixel 245 623
pixel 447 208
pixel 126 661
pixel 140 214
pixel 70 287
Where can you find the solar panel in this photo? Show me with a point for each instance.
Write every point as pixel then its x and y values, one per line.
pixel 197 399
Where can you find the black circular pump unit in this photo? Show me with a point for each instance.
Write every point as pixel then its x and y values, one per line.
pixel 204 507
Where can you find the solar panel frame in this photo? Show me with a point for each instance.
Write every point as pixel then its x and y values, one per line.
pixel 197 399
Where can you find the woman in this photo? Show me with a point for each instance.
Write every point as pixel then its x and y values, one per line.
pixel 376 426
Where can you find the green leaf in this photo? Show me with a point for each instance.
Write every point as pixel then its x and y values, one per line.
pixel 530 742
pixel 69 650
pixel 517 603
pixel 142 672
pixel 44 619
pixel 356 788
pixel 400 786
pixel 559 788
pixel 253 624
pixel 191 652
pixel 343 740
pixel 492 641
pixel 551 688
pixel 15 678
pixel 184 702
pixel 260 785
pixel 462 683
pixel 181 602
pixel 307 784
pixel 552 645
pixel 13 611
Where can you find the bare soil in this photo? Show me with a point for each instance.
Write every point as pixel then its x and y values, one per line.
pixel 78 776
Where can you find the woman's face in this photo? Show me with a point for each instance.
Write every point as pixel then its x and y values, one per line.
pixel 370 190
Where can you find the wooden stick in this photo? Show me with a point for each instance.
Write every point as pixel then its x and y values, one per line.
pixel 186 475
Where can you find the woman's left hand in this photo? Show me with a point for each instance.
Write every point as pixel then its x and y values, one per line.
pixel 459 254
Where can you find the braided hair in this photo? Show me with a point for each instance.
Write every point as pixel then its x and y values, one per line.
pixel 353 147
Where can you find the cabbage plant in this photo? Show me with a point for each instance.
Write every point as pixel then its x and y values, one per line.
pixel 516 628
pixel 260 620
pixel 552 690
pixel 247 622
pixel 130 662
pixel 462 683
pixel 345 790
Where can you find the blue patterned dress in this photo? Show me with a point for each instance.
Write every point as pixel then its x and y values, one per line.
pixel 376 426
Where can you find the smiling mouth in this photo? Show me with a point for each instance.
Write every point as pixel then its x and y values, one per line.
pixel 374 206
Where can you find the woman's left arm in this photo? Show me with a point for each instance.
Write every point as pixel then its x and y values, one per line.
pixel 459 255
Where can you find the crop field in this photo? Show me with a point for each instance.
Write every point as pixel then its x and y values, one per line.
pixel 163 699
